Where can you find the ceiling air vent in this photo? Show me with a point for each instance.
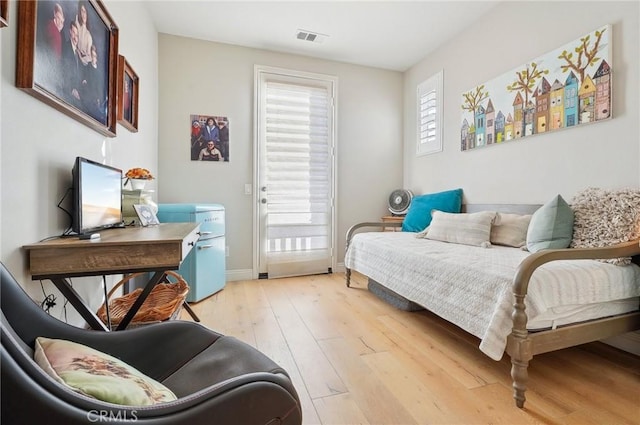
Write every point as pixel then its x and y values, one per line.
pixel 314 37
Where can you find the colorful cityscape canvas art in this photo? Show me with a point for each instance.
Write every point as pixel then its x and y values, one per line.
pixel 565 88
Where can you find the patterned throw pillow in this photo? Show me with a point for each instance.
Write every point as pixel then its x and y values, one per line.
pixel 510 230
pixel 467 229
pixel 98 375
pixel 606 217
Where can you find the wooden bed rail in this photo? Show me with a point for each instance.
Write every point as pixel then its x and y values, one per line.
pixel 352 231
pixel 522 346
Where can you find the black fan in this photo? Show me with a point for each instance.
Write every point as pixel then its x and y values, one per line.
pixel 399 201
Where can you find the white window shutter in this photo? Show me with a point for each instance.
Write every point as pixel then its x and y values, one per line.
pixel 429 119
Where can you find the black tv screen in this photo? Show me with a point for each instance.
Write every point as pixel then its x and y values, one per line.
pixel 97 194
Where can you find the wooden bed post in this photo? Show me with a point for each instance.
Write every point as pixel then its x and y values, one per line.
pixel 520 349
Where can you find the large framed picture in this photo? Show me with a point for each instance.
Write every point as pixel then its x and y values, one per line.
pixel 68 56
pixel 128 87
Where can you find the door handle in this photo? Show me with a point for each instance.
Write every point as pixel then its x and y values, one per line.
pixel 205 246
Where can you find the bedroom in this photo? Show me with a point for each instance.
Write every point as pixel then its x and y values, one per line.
pixel 39 144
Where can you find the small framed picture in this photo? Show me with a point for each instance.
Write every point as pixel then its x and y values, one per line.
pixel 128 89
pixel 146 215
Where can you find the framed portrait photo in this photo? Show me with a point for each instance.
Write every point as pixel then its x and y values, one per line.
pixel 128 87
pixel 146 215
pixel 67 57
pixel 4 13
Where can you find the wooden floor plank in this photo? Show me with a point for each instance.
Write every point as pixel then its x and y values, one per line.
pixel 355 359
pixel 317 372
pixel 379 405
pixel 339 409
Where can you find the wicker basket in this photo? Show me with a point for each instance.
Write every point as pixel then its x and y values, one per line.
pixel 163 303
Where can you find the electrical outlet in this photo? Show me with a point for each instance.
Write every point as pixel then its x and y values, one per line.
pixel 226 251
pixel 248 189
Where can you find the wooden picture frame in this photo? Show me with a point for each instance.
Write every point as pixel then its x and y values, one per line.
pixel 4 13
pixel 78 79
pixel 128 89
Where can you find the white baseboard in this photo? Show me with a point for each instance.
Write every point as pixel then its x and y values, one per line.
pixel 629 342
pixel 242 274
pixel 247 274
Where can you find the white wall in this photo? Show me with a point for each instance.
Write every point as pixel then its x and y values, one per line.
pixel 199 77
pixel 39 146
pixel 533 169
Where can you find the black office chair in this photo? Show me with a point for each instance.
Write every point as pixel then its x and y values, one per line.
pixel 217 379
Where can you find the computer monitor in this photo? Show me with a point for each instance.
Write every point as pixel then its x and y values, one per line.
pixel 97 196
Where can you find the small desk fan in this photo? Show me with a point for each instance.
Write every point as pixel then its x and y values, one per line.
pixel 399 201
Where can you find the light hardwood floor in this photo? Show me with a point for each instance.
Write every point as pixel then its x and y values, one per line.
pixel 356 360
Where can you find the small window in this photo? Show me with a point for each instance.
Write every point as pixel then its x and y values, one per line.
pixel 429 107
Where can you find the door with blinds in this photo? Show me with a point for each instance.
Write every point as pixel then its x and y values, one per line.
pixel 295 172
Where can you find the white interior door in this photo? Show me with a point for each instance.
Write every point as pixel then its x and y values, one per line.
pixel 295 178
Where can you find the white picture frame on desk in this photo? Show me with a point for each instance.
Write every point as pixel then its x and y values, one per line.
pixel 146 215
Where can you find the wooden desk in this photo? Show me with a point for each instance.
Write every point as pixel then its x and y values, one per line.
pixel 118 251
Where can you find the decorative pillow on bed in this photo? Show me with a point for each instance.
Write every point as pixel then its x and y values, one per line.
pixel 510 230
pixel 551 226
pixel 97 375
pixel 419 215
pixel 606 217
pixel 467 229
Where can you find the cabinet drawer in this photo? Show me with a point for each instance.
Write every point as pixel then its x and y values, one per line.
pixel 190 242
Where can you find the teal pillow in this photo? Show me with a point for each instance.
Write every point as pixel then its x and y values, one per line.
pixel 419 215
pixel 98 375
pixel 551 226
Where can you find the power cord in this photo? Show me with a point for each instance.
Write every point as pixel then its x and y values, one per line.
pixel 49 300
pixel 68 230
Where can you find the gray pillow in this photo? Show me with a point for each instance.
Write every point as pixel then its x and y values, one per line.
pixel 468 229
pixel 551 226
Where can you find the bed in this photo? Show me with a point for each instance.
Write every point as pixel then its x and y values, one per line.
pixel 495 295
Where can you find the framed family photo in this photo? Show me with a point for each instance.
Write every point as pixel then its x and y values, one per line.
pixel 128 87
pixel 67 57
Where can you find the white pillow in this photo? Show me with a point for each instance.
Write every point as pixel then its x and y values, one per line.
pixel 510 230
pixel 467 229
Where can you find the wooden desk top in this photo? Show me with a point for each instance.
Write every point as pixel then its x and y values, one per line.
pixel 120 250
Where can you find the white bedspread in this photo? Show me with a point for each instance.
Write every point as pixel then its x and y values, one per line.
pixel 471 286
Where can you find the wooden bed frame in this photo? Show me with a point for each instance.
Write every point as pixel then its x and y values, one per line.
pixel 522 345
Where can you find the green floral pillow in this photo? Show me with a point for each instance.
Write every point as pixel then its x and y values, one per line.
pixel 98 375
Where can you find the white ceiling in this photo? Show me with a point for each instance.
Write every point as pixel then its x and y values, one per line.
pixel 384 34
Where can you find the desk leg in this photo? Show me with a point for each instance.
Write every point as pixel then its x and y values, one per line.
pixel 157 276
pixel 76 301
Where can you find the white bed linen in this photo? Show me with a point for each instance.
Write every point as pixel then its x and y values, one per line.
pixel 471 286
